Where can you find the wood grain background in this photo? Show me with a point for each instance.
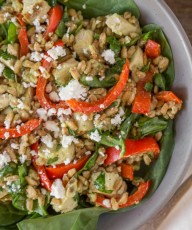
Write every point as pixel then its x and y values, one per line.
pixel 183 11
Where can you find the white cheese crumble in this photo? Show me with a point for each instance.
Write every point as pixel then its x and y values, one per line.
pixel 36 56
pixel 107 203
pixel 23 158
pixel 4 159
pixel 7 123
pixel 118 117
pixel 20 104
pixel 88 153
pixel 27 85
pixel 84 117
pixel 2 67
pixel 57 189
pixel 52 126
pixel 56 52
pixel 54 96
pixel 39 29
pixel 84 6
pixel 42 113
pixel 6 135
pixel 73 90
pixel 42 69
pixel 67 161
pixel 66 112
pixel 95 136
pixel 109 56
pixel 14 145
pixel 51 112
pixel 89 78
pixel 67 140
pixel 47 140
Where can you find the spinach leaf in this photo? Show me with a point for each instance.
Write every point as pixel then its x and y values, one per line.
pixel 9 73
pixel 146 67
pixel 10 169
pixel 52 160
pixel 127 124
pixel 22 171
pixel 9 215
pixel 96 8
pixel 52 2
pixel 3 31
pixel 108 81
pixel 19 202
pixel 160 81
pixel 114 44
pixel 1 2
pixel 160 37
pixel 90 163
pixel 6 56
pixel 100 183
pixel 12 33
pixel 117 68
pixel 62 29
pixel 148 86
pixel 151 126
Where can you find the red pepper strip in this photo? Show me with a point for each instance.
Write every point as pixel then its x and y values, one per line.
pixel 55 17
pixel 168 96
pixel 45 182
pixel 133 147
pixel 127 171
pixel 41 85
pixel 60 170
pixel 86 107
pixel 24 42
pixel 132 199
pixel 28 127
pixel 152 49
pixel 142 101
pixel 20 19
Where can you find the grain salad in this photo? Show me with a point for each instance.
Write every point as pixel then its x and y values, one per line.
pixel 84 107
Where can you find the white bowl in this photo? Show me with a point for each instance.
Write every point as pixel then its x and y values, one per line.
pixel 157 11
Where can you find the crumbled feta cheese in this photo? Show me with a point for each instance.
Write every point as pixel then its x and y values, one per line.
pixel 47 58
pixel 52 126
pixel 42 113
pixel 73 90
pixel 36 56
pixel 1 68
pixel 85 51
pixel 57 189
pixel 117 147
pixel 56 52
pixel 107 203
pixel 28 85
pixel 66 112
pixel 38 27
pixel 7 123
pixel 47 140
pixel 84 6
pixel 116 120
pixel 97 116
pixel 54 96
pixel 67 161
pixel 95 136
pixel 67 140
pixel 18 127
pixel 33 153
pixel 42 69
pixel 84 117
pixel 89 78
pixel 20 104
pixel 4 159
pixel 51 112
pixel 101 153
pixel 23 158
pixel 102 78
pixel 102 106
pixel 109 56
pixel 14 145
pixel 6 135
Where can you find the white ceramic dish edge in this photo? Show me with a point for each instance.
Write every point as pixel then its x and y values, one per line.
pixel 182 156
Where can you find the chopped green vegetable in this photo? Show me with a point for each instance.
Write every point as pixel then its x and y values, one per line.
pixel 9 73
pixel 117 68
pixel 115 45
pixel 52 160
pixel 12 33
pixel 6 55
pixel 100 184
pixel 9 169
pixel 108 81
pixel 146 67
pixel 159 80
pixel 148 86
pixel 22 171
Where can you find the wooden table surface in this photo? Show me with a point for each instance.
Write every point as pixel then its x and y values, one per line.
pixel 183 10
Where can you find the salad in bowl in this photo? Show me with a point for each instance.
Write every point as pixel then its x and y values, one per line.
pixel 86 111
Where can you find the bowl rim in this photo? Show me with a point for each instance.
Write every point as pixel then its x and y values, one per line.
pixel 157 206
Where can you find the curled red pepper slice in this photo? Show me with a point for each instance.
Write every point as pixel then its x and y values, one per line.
pixel 55 16
pixel 133 199
pixel 152 49
pixel 60 170
pixel 26 128
pixel 133 147
pixel 45 181
pixel 168 96
pixel 86 107
pixel 127 171
pixel 24 42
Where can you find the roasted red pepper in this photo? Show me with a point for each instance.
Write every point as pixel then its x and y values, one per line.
pixel 60 170
pixel 152 49
pixel 20 19
pixel 127 171
pixel 24 42
pixel 133 147
pixel 86 107
pixel 45 181
pixel 142 101
pixel 168 96
pixel 55 17
pixel 133 199
pixel 26 128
